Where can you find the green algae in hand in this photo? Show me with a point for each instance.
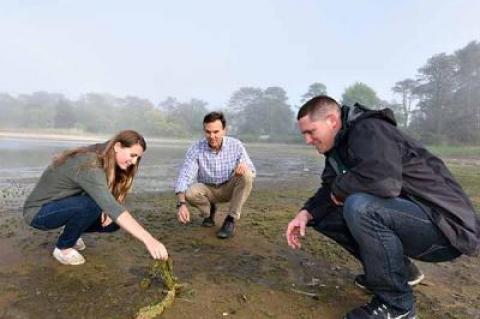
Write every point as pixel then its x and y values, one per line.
pixel 164 271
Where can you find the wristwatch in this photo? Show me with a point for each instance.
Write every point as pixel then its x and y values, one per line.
pixel 179 204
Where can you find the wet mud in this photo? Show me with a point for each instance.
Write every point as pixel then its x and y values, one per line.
pixel 252 275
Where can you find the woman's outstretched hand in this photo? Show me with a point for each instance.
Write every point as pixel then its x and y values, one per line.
pixel 156 249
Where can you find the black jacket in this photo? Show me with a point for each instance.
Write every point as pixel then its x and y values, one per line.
pixel 372 156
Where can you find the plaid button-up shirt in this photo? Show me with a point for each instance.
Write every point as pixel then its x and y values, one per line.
pixel 208 167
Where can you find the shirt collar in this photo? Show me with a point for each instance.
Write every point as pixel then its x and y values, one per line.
pixel 207 146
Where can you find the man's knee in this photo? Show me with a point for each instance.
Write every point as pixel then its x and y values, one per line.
pixel 247 178
pixel 188 194
pixel 357 206
pixel 194 192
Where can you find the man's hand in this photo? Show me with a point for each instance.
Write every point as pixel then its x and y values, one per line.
pixel 296 228
pixel 183 214
pixel 241 169
pixel 335 200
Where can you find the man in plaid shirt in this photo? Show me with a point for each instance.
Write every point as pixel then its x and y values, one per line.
pixel 224 173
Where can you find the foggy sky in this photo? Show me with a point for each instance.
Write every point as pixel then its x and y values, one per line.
pixel 208 49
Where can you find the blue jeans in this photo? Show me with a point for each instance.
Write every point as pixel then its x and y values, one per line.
pixel 381 232
pixel 79 214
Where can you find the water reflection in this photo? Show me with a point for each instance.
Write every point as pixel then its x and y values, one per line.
pixel 23 160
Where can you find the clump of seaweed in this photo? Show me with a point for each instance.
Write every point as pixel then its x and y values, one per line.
pixel 162 270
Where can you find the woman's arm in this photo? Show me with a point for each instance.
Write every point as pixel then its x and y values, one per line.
pixel 154 247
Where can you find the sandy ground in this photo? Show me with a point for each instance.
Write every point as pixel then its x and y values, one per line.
pixel 253 275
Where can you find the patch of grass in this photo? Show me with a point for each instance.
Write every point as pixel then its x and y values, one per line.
pixel 469 178
pixel 326 249
pixel 455 151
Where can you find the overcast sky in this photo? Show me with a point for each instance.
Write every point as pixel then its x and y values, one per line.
pixel 208 49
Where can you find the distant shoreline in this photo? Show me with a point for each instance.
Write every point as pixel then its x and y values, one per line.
pixel 52 136
pixel 80 137
pixel 87 137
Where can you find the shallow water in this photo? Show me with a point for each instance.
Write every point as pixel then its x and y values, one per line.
pixel 23 160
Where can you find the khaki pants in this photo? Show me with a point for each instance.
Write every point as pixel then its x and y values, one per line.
pixel 235 191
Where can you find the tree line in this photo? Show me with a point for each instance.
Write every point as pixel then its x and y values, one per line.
pixel 441 104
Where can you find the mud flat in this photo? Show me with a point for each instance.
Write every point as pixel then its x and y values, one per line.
pixel 253 275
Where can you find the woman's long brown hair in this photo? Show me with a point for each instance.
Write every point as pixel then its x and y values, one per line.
pixel 119 181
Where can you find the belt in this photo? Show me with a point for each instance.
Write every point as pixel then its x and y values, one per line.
pixel 216 185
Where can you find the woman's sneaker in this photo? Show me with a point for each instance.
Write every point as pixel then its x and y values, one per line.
pixel 415 276
pixel 378 310
pixel 71 257
pixel 80 244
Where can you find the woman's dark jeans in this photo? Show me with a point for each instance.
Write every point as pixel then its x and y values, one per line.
pixel 79 214
pixel 380 232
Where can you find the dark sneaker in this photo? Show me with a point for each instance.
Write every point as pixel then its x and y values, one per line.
pixel 415 276
pixel 377 310
pixel 210 220
pixel 228 228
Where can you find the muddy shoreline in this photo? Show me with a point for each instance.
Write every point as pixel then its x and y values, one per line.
pixel 253 275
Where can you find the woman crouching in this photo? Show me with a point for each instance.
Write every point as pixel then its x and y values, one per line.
pixel 83 190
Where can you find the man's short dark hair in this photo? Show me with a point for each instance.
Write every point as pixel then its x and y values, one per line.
pixel 317 107
pixel 214 116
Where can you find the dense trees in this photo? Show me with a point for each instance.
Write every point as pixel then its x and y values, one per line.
pixel 99 113
pixel 403 110
pixel 264 114
pixel 314 89
pixel 441 104
pixel 362 94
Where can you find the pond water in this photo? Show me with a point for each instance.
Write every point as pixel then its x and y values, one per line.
pixel 23 160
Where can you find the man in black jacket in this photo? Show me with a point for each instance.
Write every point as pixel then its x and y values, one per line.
pixel 384 198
